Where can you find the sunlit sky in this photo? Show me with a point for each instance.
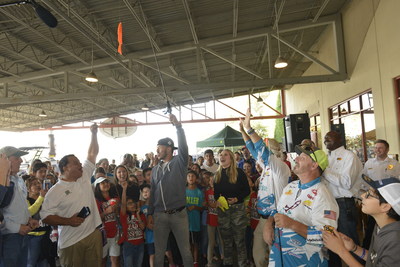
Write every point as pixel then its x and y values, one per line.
pixel 144 139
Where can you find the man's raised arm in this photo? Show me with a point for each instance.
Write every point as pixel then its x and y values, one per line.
pixel 94 145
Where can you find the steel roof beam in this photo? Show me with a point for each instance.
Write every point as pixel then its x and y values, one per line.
pixel 39 34
pixel 190 21
pixel 99 43
pixel 319 12
pixel 168 50
pixel 240 66
pixel 174 89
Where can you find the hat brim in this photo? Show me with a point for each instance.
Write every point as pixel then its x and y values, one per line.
pixel 20 153
pixel 379 183
pixel 100 180
pixel 299 149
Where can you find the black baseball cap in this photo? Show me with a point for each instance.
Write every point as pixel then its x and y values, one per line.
pixel 166 142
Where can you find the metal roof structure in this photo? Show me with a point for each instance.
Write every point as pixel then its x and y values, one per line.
pixel 197 50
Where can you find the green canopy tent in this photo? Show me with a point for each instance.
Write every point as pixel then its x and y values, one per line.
pixel 226 137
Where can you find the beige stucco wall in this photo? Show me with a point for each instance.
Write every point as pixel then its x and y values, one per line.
pixel 372 43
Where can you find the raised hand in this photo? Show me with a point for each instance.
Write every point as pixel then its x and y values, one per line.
pixel 94 128
pixel 124 185
pixel 174 120
pixel 241 128
pixel 246 121
pixel 43 192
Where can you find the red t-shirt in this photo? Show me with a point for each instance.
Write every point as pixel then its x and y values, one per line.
pixel 254 216
pixel 131 229
pixel 212 215
pixel 110 220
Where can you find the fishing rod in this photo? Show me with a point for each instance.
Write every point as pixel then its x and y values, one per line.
pixel 169 108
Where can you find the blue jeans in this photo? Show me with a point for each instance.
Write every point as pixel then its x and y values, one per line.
pixel 203 239
pixel 347 224
pixel 133 254
pixel 15 250
pixel 178 224
pixel 34 249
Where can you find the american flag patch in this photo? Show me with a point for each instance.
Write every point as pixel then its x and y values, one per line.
pixel 330 214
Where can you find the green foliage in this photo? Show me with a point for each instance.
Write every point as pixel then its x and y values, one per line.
pixel 261 130
pixel 279 127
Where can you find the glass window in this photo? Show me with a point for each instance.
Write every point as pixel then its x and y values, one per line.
pixel 355 104
pixel 343 109
pixel 367 101
pixel 335 113
pixel 353 132
pixel 370 133
pixel 359 124
pixel 315 128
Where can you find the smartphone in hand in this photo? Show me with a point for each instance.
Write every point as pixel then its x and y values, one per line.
pixel 47 184
pixel 85 211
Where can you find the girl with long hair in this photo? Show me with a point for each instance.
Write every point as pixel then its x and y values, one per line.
pixel 231 183
pixel 107 202
pixel 121 173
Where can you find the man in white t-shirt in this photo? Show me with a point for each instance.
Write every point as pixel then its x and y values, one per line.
pixel 209 162
pixel 80 240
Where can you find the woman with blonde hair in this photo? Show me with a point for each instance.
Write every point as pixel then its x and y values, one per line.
pixel 231 183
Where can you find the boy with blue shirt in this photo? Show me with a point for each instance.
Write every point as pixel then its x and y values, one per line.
pixel 194 204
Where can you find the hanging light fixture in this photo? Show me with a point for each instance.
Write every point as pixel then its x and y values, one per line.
pixel 91 76
pixel 42 114
pixel 280 62
pixel 145 107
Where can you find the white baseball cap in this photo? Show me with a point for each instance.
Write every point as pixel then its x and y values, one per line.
pixel 99 180
pixel 389 188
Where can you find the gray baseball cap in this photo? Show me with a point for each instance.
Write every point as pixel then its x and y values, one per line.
pixel 12 151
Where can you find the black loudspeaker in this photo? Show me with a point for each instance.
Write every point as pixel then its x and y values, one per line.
pixel 340 129
pixel 297 128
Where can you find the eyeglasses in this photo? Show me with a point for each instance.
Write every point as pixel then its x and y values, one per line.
pixel 367 194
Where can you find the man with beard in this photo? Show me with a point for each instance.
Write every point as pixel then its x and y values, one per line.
pixel 168 197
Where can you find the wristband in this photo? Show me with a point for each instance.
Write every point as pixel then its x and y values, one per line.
pixel 250 131
pixel 363 253
pixel 355 248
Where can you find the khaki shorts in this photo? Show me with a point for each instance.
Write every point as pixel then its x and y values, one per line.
pixel 87 252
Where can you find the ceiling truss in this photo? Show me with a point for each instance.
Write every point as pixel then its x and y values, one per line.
pixel 200 51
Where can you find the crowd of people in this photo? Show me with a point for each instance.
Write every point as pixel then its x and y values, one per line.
pixel 238 208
